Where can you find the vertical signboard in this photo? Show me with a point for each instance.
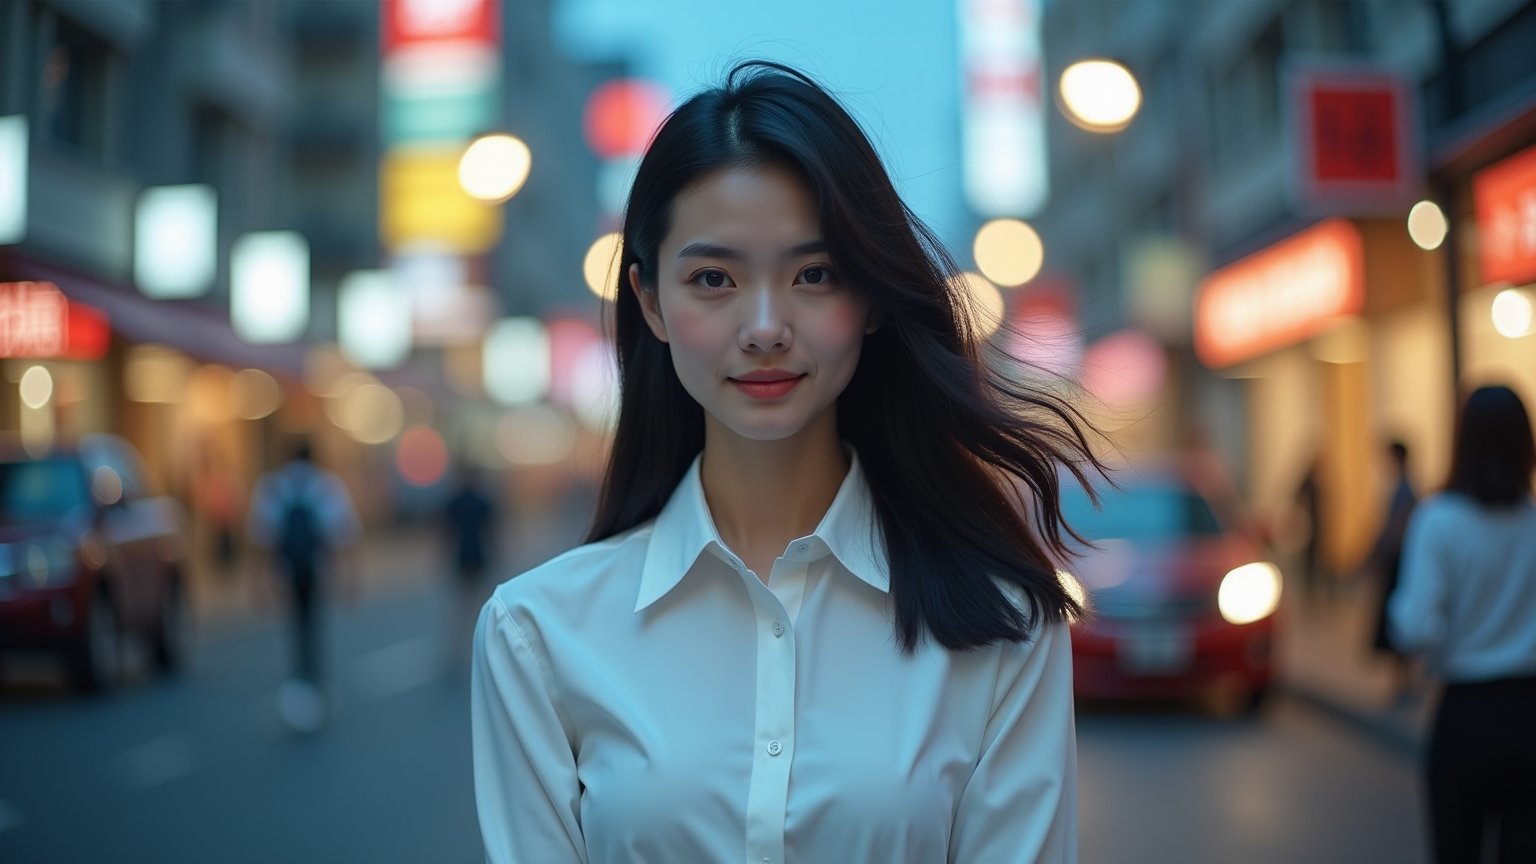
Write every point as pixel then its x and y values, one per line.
pixel 1002 122
pixel 440 88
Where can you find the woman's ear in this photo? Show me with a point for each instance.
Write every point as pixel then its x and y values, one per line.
pixel 650 303
pixel 875 320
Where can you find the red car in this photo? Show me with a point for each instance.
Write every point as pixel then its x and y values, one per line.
pixel 89 557
pixel 1181 599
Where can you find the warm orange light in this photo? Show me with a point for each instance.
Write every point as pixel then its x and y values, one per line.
pixel 1281 295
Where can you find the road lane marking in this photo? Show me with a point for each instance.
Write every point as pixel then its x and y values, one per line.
pixel 157 761
pixel 397 668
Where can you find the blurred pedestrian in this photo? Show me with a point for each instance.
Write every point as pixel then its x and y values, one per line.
pixel 810 623
pixel 303 530
pixel 469 519
pixel 1467 600
pixel 1384 562
pixel 1310 507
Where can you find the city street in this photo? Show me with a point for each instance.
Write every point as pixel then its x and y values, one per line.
pixel 201 769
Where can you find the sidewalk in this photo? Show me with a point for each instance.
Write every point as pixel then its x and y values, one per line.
pixel 1326 661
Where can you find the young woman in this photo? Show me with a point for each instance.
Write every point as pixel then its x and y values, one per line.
pixel 1467 599
pixel 811 623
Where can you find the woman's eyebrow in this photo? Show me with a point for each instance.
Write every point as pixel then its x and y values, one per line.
pixel 704 249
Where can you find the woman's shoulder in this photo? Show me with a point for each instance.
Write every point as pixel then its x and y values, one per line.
pixel 581 576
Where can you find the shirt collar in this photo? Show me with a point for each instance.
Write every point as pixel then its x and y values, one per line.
pixel 684 530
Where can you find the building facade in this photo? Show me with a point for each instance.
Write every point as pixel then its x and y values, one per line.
pixel 1208 222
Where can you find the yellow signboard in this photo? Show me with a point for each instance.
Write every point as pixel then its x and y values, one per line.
pixel 421 201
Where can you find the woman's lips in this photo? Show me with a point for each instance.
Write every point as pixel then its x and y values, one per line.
pixel 767 390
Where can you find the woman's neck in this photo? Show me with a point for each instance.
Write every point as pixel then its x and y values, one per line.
pixel 763 494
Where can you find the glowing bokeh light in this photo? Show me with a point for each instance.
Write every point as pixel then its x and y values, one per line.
pixel 494 167
pixel 1249 593
pixel 1426 225
pixel 1008 252
pixel 1124 368
pixel 1512 313
pixel 621 116
pixel 421 457
pixel 1100 95
pixel 601 266
pixel 371 413
pixel 36 387
pixel 256 394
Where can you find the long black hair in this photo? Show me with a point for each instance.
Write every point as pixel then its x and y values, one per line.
pixel 1494 452
pixel 948 444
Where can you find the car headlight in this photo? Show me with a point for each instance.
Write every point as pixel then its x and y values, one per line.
pixel 1249 593
pixel 44 563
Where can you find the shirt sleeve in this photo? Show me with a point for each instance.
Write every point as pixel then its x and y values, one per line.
pixel 1020 804
pixel 1416 610
pixel 526 790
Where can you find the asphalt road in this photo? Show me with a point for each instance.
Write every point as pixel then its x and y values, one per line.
pixel 201 769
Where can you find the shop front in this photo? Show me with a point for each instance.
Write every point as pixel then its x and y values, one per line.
pixel 1337 334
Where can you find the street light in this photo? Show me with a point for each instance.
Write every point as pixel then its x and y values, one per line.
pixel 494 167
pixel 1100 95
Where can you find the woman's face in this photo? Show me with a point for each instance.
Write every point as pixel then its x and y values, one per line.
pixel 763 331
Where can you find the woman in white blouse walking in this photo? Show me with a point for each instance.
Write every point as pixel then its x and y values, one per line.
pixel 1466 598
pixel 812 624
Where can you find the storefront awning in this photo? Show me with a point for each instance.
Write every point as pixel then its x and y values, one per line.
pixel 194 328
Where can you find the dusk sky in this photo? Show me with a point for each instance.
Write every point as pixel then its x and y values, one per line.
pixel 896 71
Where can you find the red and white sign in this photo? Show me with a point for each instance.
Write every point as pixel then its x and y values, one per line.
pixel 1355 145
pixel 36 320
pixel 1505 199
pixel 409 23
pixel 1002 126
pixel 1282 295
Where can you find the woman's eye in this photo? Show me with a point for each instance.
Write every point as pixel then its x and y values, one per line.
pixel 816 275
pixel 712 279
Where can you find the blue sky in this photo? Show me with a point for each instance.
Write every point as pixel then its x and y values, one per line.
pixel 893 64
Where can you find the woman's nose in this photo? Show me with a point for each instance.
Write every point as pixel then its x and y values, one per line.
pixel 767 326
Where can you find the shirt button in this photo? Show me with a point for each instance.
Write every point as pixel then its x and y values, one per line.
pixel 778 628
pixel 775 748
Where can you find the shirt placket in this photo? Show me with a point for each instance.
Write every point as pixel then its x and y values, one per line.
pixel 774 733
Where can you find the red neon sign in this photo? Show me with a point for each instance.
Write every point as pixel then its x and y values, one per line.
pixel 38 321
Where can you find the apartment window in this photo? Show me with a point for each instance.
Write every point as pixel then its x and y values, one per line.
pixel 72 87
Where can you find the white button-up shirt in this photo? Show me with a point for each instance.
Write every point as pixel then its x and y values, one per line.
pixel 648 698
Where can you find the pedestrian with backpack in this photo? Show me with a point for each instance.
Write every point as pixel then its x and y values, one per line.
pixel 303 524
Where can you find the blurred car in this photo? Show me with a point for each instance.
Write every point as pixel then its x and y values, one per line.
pixel 90 557
pixel 1182 602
